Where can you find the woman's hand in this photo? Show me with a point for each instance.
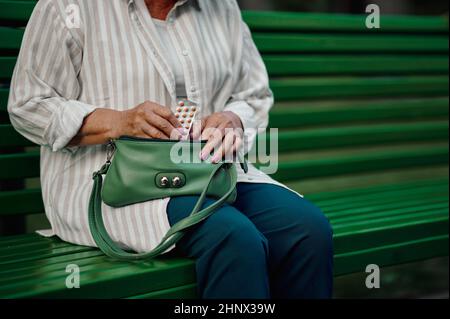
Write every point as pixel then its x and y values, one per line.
pixel 223 131
pixel 150 120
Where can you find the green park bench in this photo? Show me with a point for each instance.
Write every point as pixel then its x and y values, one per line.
pixel 363 133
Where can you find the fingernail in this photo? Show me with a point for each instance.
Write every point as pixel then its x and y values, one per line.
pixel 181 130
pixel 215 159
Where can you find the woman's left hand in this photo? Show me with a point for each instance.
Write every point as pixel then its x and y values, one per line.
pixel 223 131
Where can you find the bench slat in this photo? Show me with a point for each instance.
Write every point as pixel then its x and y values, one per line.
pixel 21 165
pixel 19 202
pixel 10 137
pixel 11 38
pixel 352 87
pixel 353 164
pixel 405 184
pixel 398 253
pixel 124 279
pixel 303 114
pixel 291 65
pixel 283 43
pixel 287 21
pixel 16 10
pixel 361 135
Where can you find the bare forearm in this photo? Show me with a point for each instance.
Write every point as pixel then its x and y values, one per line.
pixel 99 127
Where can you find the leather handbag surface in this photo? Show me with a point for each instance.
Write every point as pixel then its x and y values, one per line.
pixel 139 170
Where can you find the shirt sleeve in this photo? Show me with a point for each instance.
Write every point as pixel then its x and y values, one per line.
pixel 43 104
pixel 252 98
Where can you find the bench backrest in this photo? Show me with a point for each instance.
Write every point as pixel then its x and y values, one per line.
pixel 349 100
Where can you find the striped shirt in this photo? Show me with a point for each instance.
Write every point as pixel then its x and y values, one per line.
pixel 114 59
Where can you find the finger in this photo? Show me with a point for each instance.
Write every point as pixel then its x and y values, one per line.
pixel 168 115
pixel 225 151
pixel 237 143
pixel 153 132
pixel 212 123
pixel 197 128
pixel 165 126
pixel 215 137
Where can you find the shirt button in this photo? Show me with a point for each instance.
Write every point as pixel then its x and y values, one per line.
pixel 185 52
pixel 193 89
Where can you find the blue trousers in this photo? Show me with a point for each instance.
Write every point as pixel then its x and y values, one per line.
pixel 270 243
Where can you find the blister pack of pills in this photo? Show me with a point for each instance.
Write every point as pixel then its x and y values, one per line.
pixel 186 112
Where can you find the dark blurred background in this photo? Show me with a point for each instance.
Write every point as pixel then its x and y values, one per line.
pixel 419 7
pixel 428 279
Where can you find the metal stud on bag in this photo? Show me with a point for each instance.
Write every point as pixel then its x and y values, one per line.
pixel 176 181
pixel 164 181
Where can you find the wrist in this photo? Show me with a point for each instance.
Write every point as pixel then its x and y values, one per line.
pixel 117 124
pixel 236 120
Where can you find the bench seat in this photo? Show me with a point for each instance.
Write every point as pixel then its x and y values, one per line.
pixel 388 223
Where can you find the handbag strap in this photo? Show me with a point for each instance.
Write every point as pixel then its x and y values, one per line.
pixel 111 249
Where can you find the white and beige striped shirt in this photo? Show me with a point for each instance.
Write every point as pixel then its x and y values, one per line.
pixel 115 60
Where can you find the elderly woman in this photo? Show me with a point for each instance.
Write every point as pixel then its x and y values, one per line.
pixel 119 72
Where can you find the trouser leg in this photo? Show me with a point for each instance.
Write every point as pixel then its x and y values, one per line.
pixel 230 253
pixel 299 238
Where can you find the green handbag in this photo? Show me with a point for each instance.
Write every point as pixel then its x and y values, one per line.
pixel 144 169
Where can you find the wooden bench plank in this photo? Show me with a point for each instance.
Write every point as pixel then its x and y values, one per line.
pixel 288 22
pixel 11 138
pixel 16 10
pixel 115 282
pixel 11 38
pixel 304 114
pixel 393 254
pixel 323 138
pixel 289 65
pixel 283 43
pixel 21 165
pixel 7 67
pixel 19 202
pixel 353 164
pixel 352 87
pixel 403 182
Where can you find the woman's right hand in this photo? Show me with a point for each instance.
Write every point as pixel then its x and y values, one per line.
pixel 150 120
